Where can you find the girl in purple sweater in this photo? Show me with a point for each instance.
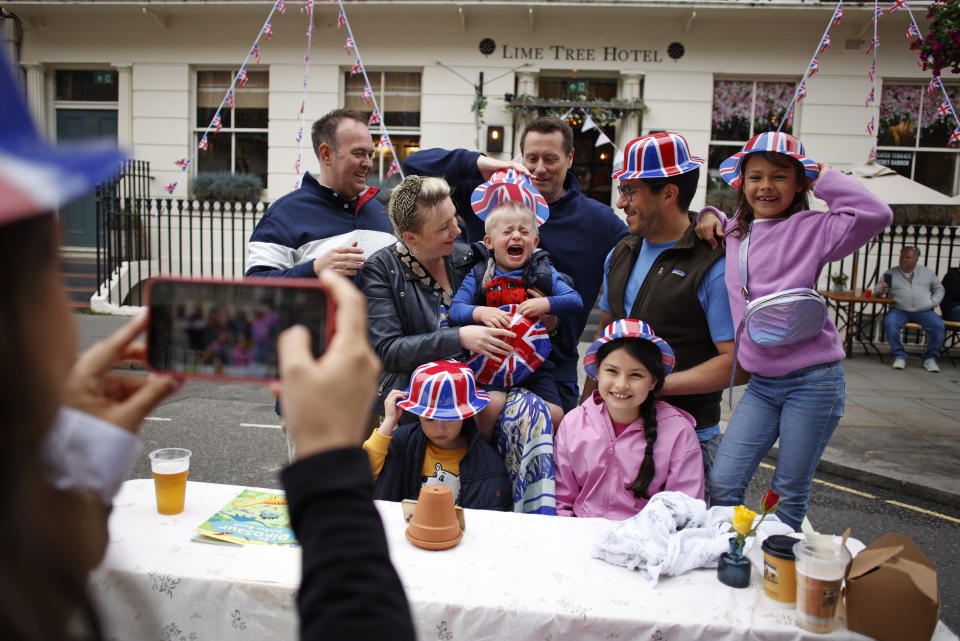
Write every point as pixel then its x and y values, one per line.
pixel 796 392
pixel 622 446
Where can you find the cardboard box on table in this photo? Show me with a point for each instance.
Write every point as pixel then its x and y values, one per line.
pixel 892 591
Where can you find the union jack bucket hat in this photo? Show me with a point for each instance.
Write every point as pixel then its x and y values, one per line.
pixel 531 346
pixel 444 390
pixel 775 141
pixel 35 176
pixel 627 328
pixel 506 185
pixel 656 156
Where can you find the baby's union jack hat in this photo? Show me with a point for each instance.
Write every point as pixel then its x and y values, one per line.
pixel 775 141
pixel 656 156
pixel 627 328
pixel 35 176
pixel 506 185
pixel 445 391
pixel 531 346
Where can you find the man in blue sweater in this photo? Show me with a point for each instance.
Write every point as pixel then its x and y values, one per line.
pixel 579 233
pixel 332 221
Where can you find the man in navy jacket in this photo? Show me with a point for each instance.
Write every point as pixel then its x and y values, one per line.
pixel 331 221
pixel 579 233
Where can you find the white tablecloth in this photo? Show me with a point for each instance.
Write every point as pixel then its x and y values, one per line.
pixel 513 576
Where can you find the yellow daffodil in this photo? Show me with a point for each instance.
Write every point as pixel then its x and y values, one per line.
pixel 743 519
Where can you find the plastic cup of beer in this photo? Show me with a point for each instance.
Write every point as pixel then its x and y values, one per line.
pixel 170 467
pixel 820 571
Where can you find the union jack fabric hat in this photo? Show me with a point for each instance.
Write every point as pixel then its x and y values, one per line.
pixel 444 390
pixel 628 328
pixel 505 185
pixel 776 141
pixel 35 176
pixel 656 156
pixel 531 346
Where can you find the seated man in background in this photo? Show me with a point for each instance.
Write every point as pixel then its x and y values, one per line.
pixel 917 291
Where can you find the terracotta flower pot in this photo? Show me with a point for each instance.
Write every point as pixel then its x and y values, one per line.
pixel 434 525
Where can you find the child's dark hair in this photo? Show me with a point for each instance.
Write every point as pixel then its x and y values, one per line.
pixel 800 201
pixel 651 357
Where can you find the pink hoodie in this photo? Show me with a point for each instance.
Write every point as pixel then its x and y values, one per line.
pixel 594 466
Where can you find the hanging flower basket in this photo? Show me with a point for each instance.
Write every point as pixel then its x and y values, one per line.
pixel 603 112
pixel 941 47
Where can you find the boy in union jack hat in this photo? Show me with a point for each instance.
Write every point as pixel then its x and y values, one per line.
pixel 512 210
pixel 444 448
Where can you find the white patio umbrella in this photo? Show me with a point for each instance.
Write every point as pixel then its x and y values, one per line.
pixel 891 187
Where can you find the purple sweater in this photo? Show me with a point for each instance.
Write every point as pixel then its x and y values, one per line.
pixel 790 252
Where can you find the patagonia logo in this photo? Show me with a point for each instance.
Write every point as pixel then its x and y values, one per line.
pixel 679 272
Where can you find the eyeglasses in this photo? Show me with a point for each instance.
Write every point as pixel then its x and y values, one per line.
pixel 627 191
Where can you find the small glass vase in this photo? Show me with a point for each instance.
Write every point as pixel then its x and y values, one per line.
pixel 733 568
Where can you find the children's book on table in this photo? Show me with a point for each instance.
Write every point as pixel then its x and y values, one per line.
pixel 252 517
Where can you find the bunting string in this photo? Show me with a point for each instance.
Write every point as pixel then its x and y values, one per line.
pixel 301 115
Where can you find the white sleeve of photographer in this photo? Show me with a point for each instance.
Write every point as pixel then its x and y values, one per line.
pixel 83 452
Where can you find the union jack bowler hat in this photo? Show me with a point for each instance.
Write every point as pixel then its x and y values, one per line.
pixel 774 141
pixel 628 328
pixel 531 346
pixel 506 185
pixel 445 391
pixel 35 176
pixel 656 156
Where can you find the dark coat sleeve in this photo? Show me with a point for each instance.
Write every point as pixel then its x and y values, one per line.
pixel 349 589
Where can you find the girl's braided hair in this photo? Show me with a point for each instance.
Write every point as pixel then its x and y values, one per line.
pixel 413 200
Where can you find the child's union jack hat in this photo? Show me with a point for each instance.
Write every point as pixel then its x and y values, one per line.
pixel 531 346
pixel 506 185
pixel 445 391
pixel 627 328
pixel 774 141
pixel 35 176
pixel 656 156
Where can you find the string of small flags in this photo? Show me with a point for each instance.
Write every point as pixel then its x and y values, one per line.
pixel 588 124
pixel 229 99
pixel 368 95
pixel 946 107
pixel 872 76
pixel 301 115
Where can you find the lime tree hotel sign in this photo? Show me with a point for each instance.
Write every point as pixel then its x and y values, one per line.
pixel 580 54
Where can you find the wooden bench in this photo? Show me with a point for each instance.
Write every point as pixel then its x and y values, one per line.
pixel 951 337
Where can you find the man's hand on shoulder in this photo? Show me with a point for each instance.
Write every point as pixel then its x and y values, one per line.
pixel 342 260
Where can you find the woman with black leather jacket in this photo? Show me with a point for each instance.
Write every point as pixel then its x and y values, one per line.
pixel 409 287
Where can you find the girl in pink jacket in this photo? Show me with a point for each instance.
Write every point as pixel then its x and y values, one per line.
pixel 621 446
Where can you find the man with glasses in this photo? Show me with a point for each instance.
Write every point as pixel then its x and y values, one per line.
pixel 579 232
pixel 332 221
pixel 664 275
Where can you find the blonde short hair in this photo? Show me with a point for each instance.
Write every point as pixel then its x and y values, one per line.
pixel 509 207
pixel 413 200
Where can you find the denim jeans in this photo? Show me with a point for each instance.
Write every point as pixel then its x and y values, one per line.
pixel 931 323
pixel 708 449
pixel 802 409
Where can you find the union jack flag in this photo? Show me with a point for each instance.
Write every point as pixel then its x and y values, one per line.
pixel 531 346
pixel 309 8
pixel 242 76
pixel 837 17
pixel 298 166
pixel 230 100
pixel 873 70
pixel 788 117
pixel 801 91
pixel 874 43
pixel 897 4
pixel 306 59
pixel 384 141
pixel 216 124
pixel 348 44
pixel 255 52
pixel 955 136
pixel 374 118
pixel 169 187
pixel 267 31
pixel 814 67
pixel 302 106
pixel 507 185
pixel 870 126
pixel 183 163
pixel 203 142
pixel 873 154
pixel 367 94
pixel 394 169
pixel 300 134
pixel 310 31
pixel 913 30
pixel 280 6
pixel 945 108
pixel 871 97
pixel 356 68
pixel 876 14
pixel 444 390
pixel 824 43
pixel 936 83
pixel 633 328
pixel 341 19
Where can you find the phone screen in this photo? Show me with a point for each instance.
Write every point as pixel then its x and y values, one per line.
pixel 229 329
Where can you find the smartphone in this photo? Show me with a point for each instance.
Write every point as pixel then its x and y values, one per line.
pixel 227 329
pixel 888 279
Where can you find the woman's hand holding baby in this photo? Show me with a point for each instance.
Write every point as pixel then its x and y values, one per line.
pixel 489 341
